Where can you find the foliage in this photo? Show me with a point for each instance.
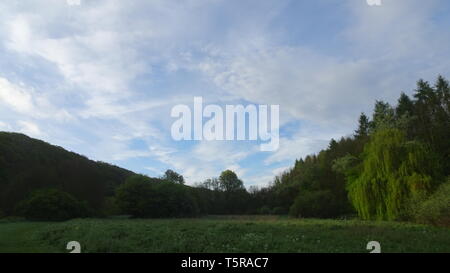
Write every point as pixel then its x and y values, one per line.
pixel 109 207
pixel 229 182
pixel 278 211
pixel 52 205
pixel 435 209
pixel 393 171
pixel 383 116
pixel 142 196
pixel 313 204
pixel 264 210
pixel 27 165
pixel 397 154
pixel 363 126
pixel 224 195
pixel 173 176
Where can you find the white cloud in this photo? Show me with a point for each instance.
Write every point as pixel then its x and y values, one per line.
pixel 30 128
pixel 24 100
pixel 15 97
pixel 205 159
pixel 116 68
pixel 5 126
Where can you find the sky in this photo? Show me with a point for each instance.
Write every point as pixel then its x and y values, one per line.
pixel 100 78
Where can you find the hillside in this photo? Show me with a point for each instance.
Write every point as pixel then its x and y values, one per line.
pixel 28 164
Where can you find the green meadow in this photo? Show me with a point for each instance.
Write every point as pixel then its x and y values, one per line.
pixel 222 234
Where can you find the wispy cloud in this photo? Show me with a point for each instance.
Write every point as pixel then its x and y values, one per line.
pixel 100 78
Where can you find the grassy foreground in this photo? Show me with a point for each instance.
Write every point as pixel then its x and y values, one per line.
pixel 222 234
pixel 20 238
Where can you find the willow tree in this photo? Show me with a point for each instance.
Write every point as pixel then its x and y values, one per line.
pixel 393 171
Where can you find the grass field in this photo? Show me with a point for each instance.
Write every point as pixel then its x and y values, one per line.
pixel 222 234
pixel 20 238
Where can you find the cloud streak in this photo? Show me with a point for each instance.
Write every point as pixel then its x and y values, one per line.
pixel 101 78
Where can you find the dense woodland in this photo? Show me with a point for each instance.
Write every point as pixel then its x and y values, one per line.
pixel 394 167
pixel 28 164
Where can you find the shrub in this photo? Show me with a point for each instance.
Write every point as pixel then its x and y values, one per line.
pixel 434 210
pixel 51 205
pixel 313 204
pixel 278 211
pixel 109 208
pixel 264 210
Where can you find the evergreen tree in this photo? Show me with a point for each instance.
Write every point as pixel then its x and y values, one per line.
pixel 404 107
pixel 363 126
pixel 383 116
pixel 443 92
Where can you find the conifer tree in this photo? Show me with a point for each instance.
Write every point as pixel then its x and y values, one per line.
pixel 363 127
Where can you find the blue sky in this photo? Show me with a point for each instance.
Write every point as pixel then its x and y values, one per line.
pixel 100 78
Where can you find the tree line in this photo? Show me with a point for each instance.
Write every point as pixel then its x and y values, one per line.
pixel 394 167
pixel 396 162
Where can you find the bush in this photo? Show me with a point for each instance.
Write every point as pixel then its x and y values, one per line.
pixel 278 211
pixel 51 205
pixel 313 204
pixel 142 196
pixel 434 210
pixel 12 219
pixel 264 210
pixel 109 207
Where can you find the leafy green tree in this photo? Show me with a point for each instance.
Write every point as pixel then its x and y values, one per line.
pixel 393 171
pixel 313 204
pixel 211 184
pixel 135 196
pixel 229 182
pixel 52 205
pixel 173 176
pixel 174 200
pixel 142 196
pixel 345 164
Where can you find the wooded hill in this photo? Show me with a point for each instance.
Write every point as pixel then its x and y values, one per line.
pixel 28 164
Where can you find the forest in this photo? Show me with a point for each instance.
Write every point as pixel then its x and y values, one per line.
pixel 395 166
